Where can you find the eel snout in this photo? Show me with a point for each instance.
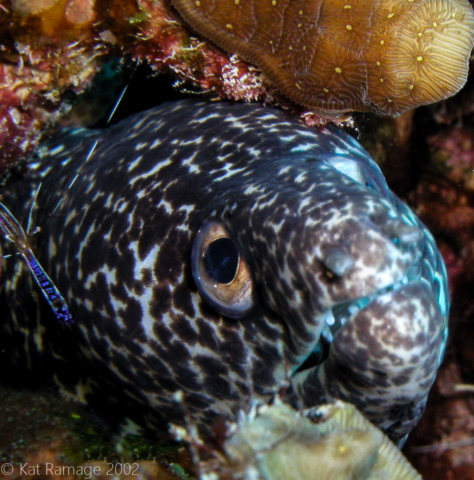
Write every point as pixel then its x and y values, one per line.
pixel 385 347
pixel 389 350
pixel 382 322
pixel 360 258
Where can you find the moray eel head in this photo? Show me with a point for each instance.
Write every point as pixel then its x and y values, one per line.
pixel 224 251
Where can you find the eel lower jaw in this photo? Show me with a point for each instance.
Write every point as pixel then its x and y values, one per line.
pixel 336 317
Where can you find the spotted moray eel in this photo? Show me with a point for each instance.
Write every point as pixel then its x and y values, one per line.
pixel 225 251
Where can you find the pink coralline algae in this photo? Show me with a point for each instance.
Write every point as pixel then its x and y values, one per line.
pixel 44 51
pixel 453 154
pixel 30 95
pixel 50 47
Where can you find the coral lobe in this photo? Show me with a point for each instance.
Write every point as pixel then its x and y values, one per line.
pixel 342 55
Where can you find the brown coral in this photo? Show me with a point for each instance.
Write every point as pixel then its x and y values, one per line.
pixel 343 55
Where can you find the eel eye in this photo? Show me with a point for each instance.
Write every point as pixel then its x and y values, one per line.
pixel 221 274
pixel 348 166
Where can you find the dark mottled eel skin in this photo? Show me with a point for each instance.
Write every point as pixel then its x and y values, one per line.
pixel 217 249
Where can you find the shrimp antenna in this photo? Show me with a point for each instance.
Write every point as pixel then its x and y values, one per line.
pixel 92 149
pixel 30 213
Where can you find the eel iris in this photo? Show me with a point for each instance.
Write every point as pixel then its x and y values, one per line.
pixel 222 251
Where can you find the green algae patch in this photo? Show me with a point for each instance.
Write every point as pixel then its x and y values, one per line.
pixel 45 436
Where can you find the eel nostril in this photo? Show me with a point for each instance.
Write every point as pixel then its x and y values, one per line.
pixel 338 261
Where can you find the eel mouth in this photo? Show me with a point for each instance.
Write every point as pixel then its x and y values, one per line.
pixel 336 317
